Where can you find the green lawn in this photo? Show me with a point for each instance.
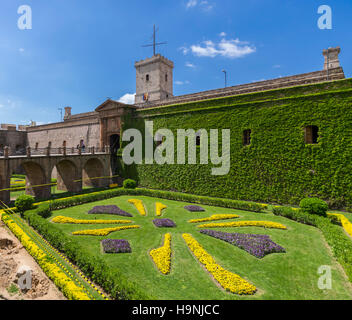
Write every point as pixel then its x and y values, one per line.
pixel 290 275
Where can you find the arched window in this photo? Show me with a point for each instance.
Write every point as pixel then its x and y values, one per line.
pixel 247 137
pixel 36 145
pixel 165 77
pixel 311 135
pixel 147 77
pixel 64 144
pixel 49 144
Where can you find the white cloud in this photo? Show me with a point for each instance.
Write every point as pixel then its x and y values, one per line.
pixel 184 50
pixel 222 34
pixel 21 50
pixel 204 5
pixel 128 98
pixel 180 83
pixel 191 4
pixel 233 48
pixel 189 65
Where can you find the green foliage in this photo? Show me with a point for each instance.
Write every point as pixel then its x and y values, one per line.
pixel 337 239
pixel 129 184
pixel 24 203
pixel 314 206
pixel 278 166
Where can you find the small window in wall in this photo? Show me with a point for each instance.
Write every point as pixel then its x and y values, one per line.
pixel 147 77
pixel 49 144
pixel 36 145
pixel 159 139
pixel 311 135
pixel 64 144
pixel 198 134
pixel 165 77
pixel 247 137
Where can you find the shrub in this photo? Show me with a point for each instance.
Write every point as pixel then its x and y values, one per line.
pixel 314 206
pixel 24 203
pixel 129 184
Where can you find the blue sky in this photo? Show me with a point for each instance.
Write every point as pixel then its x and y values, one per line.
pixel 79 52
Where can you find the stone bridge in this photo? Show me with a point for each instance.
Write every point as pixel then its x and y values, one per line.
pixel 73 170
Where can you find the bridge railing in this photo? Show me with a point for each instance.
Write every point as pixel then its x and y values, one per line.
pixel 7 152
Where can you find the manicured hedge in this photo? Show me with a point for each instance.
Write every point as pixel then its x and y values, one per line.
pixel 111 279
pixel 96 196
pixel 339 242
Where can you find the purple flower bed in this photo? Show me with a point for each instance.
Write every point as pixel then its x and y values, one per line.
pixel 116 246
pixel 109 210
pixel 256 244
pixel 193 208
pixel 164 223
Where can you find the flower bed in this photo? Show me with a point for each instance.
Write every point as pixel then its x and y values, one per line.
pixel 109 210
pixel 194 208
pixel 61 280
pixel 159 207
pixel 102 232
pixel 346 224
pixel 116 246
pixel 264 224
pixel 215 217
pixel 139 206
pixel 68 220
pixel 255 244
pixel 164 223
pixel 228 280
pixel 162 255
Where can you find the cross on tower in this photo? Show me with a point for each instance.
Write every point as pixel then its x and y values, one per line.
pixel 154 41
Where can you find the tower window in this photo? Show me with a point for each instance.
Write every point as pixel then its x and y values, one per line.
pixel 247 137
pixel 311 135
pixel 165 77
pixel 147 77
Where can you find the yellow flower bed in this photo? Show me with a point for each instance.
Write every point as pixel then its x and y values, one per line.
pixel 264 224
pixel 102 232
pixel 139 205
pixel 228 280
pixel 61 219
pixel 215 217
pixel 162 255
pixel 159 207
pixel 61 280
pixel 346 224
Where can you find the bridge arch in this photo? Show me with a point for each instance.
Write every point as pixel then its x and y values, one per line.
pixel 93 169
pixel 69 177
pixel 36 176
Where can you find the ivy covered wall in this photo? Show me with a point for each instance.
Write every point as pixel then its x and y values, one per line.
pixel 278 166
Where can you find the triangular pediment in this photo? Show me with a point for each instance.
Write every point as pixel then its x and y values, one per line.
pixel 110 104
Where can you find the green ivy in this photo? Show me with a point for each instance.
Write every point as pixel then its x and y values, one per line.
pixel 278 167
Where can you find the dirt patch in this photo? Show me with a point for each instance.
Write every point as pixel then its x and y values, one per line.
pixel 13 257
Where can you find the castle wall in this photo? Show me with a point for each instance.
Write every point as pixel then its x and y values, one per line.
pixel 16 140
pixel 71 132
pixel 279 165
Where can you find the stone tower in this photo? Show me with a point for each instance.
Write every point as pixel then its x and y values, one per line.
pixel 154 79
pixel 331 56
